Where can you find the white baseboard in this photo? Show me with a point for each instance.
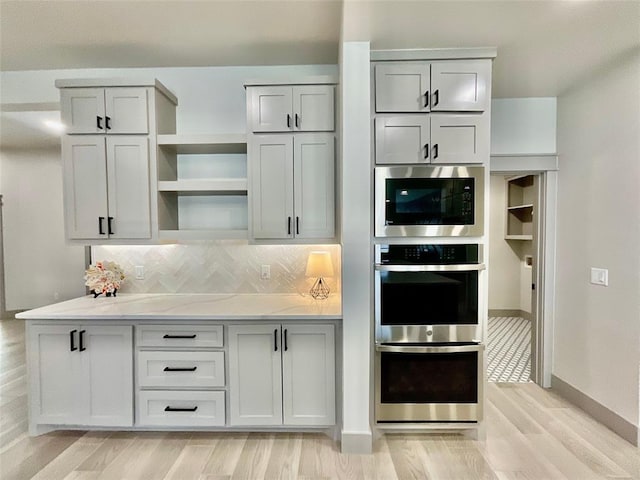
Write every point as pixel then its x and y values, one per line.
pixel 357 442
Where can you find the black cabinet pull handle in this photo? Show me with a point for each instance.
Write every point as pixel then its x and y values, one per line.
pixel 99 122
pixel 435 150
pixel 172 409
pixel 297 225
pixel 426 98
pixel 288 225
pixel 100 227
pixel 275 340
pixel 72 341
pixel 286 347
pixel 436 100
pixel 106 122
pixel 82 347
pixel 426 150
pixel 180 336
pixel 297 121
pixel 288 121
pixel 180 369
pixel 110 225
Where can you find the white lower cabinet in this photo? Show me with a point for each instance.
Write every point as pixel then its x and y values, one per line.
pixel 181 408
pixel 282 374
pixel 81 375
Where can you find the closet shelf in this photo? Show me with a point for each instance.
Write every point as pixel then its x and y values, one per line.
pixel 520 207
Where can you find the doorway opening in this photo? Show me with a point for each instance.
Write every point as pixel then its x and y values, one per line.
pixel 513 320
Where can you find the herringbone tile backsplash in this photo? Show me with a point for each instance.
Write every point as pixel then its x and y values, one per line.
pixel 225 266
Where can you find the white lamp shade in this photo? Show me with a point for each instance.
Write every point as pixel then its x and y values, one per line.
pixel 319 265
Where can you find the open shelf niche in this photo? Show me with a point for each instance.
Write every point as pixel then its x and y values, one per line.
pixel 520 199
pixel 202 187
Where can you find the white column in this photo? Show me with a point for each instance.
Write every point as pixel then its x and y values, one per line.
pixel 357 258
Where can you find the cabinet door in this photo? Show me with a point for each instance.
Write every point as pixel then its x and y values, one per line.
pixel 313 109
pixel 107 375
pixel 54 374
pixel 272 186
pixel 82 110
pixel 271 109
pixel 459 139
pixel 402 88
pixel 85 186
pixel 126 110
pixel 402 139
pixel 255 378
pixel 308 374
pixel 314 183
pixel 128 181
pixel 460 85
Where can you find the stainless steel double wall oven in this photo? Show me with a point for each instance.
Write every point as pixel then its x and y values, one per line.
pixel 429 346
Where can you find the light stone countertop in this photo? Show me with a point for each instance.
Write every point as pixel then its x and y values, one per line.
pixel 190 307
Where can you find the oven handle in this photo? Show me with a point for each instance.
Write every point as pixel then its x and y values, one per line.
pixel 430 268
pixel 425 349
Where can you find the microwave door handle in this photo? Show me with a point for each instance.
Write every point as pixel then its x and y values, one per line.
pixel 428 349
pixel 430 268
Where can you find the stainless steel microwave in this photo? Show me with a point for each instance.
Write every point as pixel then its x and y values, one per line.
pixel 429 201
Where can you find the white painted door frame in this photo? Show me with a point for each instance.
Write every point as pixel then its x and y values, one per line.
pixel 546 166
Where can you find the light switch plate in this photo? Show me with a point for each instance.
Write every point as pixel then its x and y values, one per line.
pixel 265 272
pixel 600 276
pixel 139 272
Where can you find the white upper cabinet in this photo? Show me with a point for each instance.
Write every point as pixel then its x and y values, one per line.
pixel 292 186
pixel 402 87
pixel 403 139
pixel 459 139
pixel 106 187
pixel 113 110
pixel 460 85
pixel 303 108
pixel 443 138
pixel 444 86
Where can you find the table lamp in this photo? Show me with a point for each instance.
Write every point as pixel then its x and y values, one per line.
pixel 319 266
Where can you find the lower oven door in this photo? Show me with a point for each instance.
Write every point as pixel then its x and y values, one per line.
pixel 429 383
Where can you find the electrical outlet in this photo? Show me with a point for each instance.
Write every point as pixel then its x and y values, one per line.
pixel 600 276
pixel 139 272
pixel 265 272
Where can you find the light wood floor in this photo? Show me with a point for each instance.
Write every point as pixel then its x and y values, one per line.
pixel 531 434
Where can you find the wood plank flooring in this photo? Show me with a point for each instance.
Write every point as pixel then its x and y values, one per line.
pixel 531 434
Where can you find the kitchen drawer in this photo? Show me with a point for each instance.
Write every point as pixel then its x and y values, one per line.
pixel 181 409
pixel 180 369
pixel 179 336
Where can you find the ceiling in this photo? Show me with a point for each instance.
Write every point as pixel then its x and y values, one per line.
pixel 544 47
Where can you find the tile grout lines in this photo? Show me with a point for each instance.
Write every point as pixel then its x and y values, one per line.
pixel 509 349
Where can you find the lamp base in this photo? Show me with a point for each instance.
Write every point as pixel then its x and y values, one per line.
pixel 320 289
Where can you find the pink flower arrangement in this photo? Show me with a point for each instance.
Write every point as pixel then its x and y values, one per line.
pixel 104 277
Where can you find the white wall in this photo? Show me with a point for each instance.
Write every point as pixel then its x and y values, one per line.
pixel 597 329
pixel 39 267
pixel 504 292
pixel 523 126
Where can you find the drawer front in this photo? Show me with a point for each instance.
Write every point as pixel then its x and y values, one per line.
pixel 181 409
pixel 179 336
pixel 181 369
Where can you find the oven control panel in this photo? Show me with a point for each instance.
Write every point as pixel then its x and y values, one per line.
pixel 427 254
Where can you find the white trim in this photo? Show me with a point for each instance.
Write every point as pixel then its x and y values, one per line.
pixel 307 80
pixel 116 82
pixel 546 166
pixel 356 442
pixel 523 163
pixel 433 53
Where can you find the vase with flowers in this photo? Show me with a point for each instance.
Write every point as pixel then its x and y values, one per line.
pixel 104 277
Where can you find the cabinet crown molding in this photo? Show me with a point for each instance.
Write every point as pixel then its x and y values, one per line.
pixel 434 54
pixel 116 82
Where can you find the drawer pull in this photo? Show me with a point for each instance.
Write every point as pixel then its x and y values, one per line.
pixel 171 409
pixel 171 369
pixel 180 336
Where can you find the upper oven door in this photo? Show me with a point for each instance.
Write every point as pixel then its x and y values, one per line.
pixel 427 303
pixel 429 201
